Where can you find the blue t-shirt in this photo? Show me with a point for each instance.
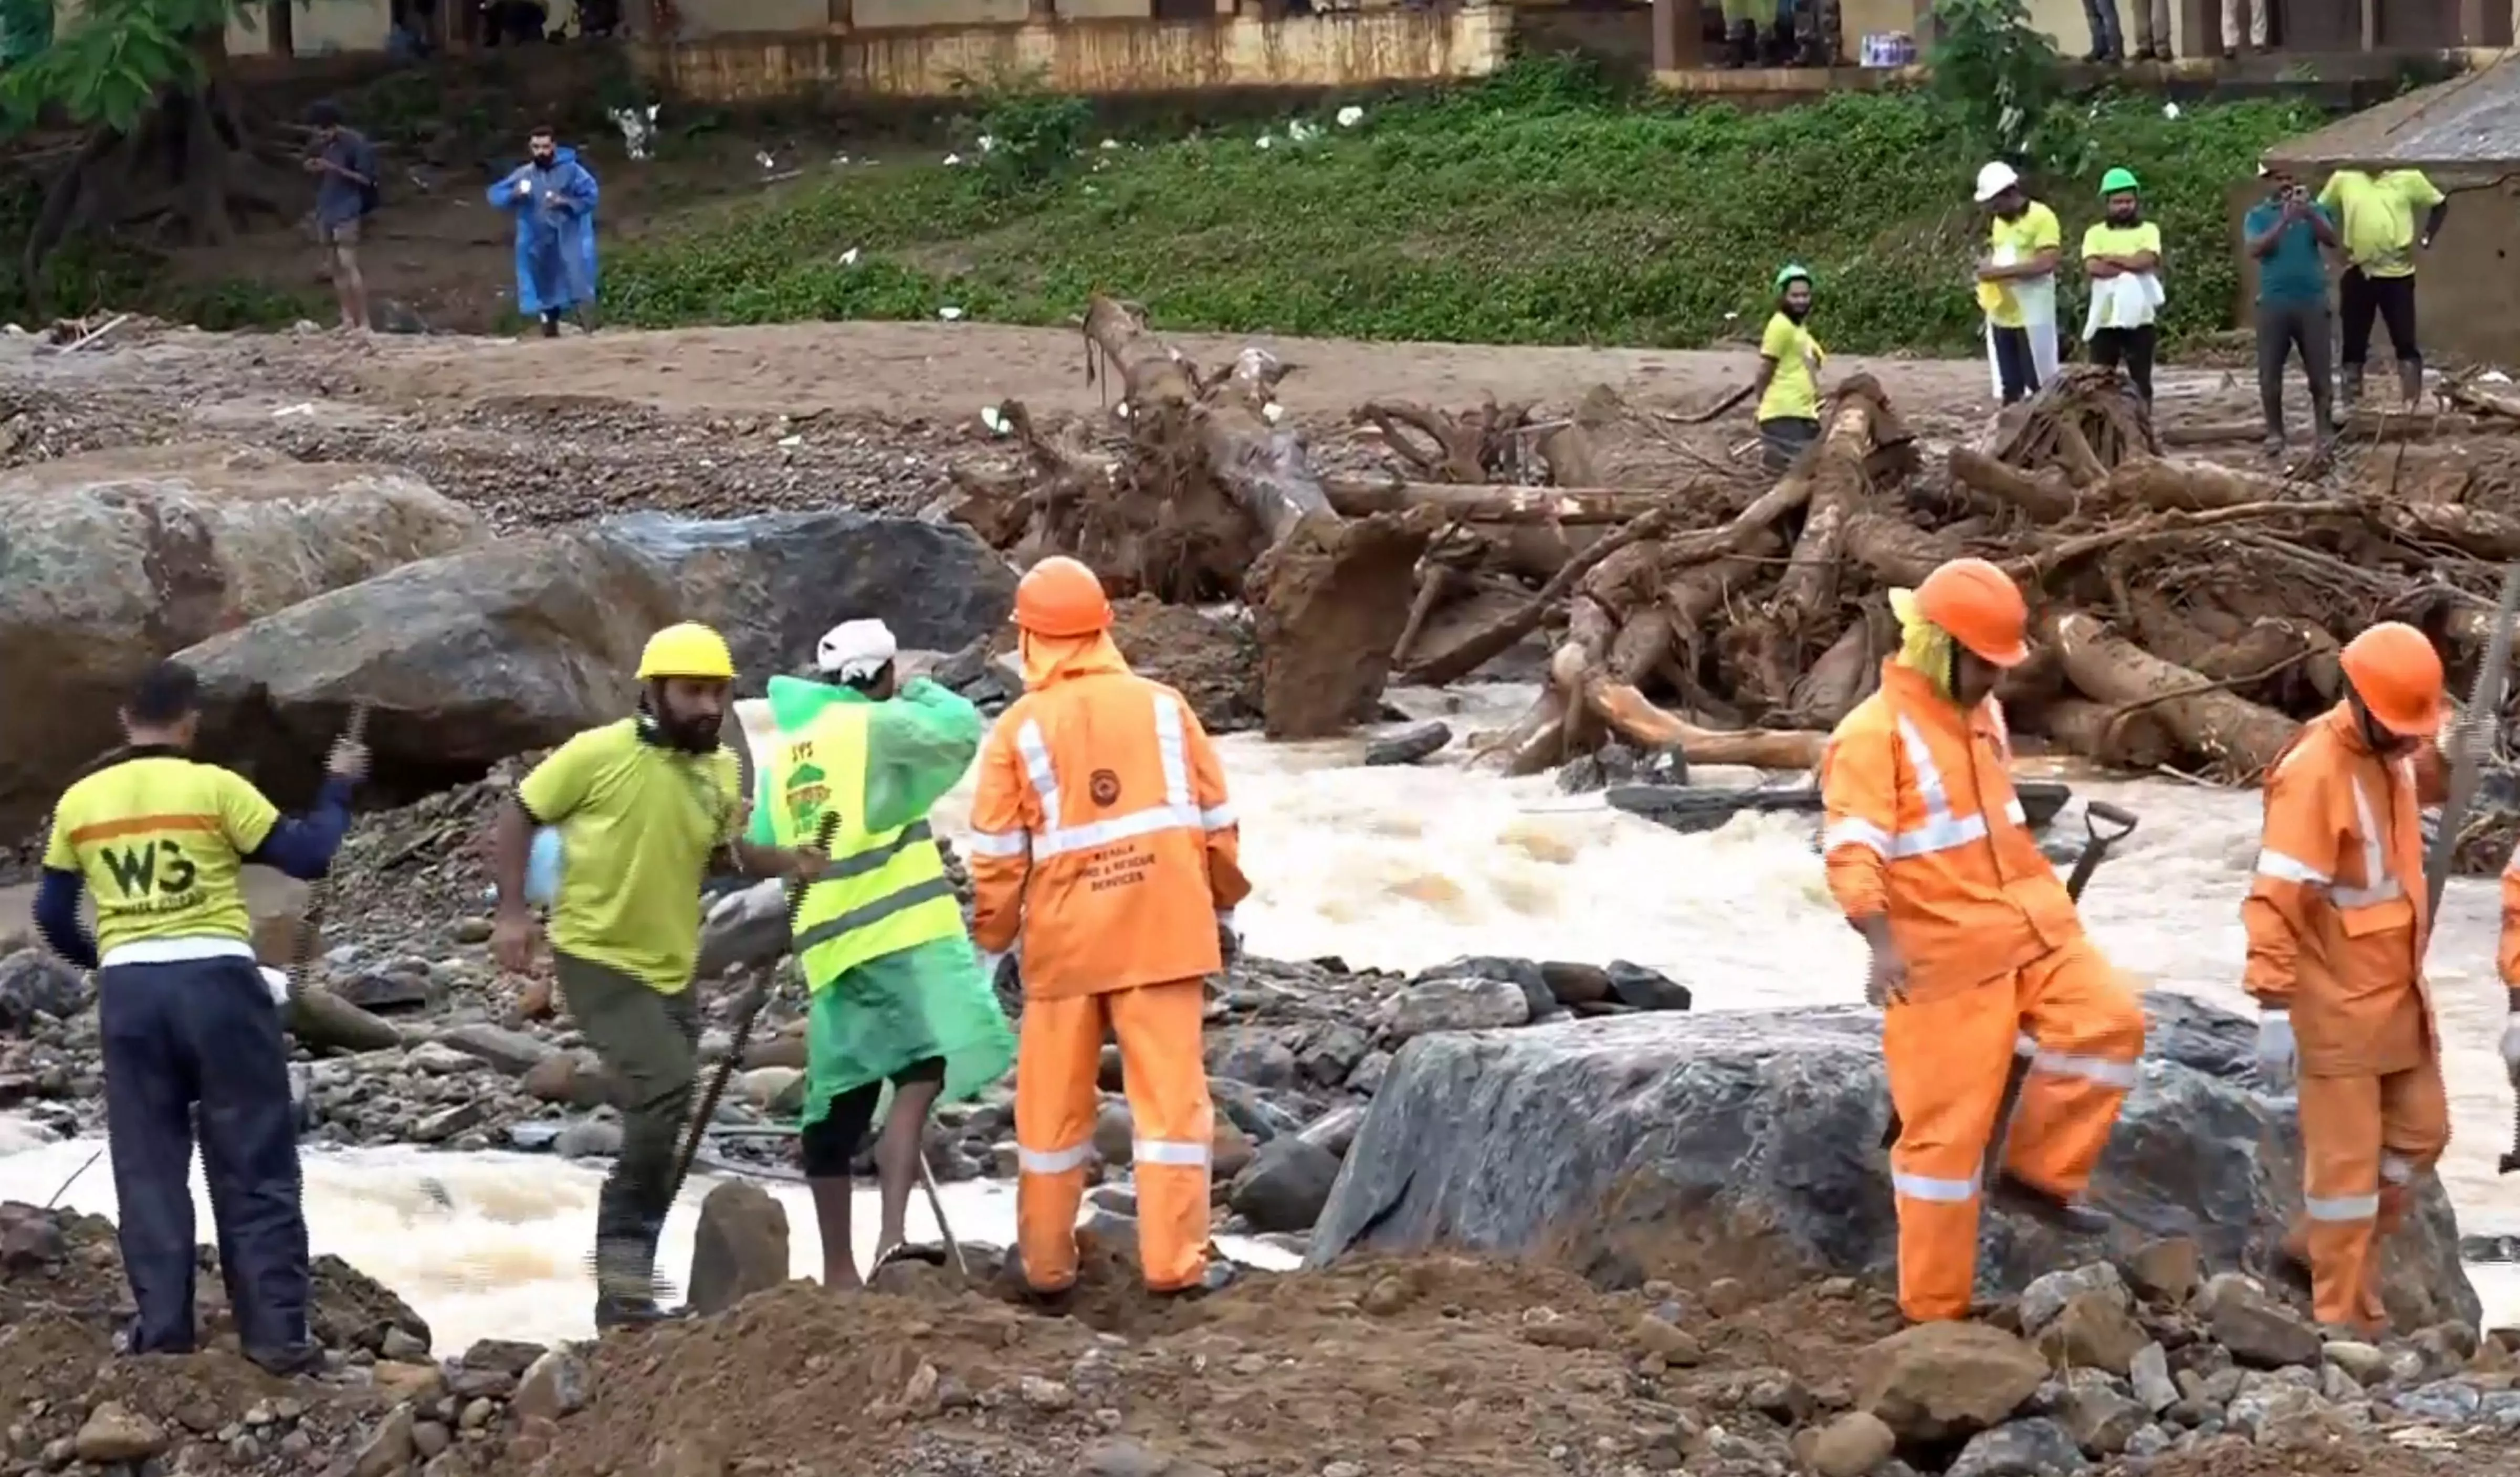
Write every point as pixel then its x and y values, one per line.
pixel 2292 272
pixel 339 200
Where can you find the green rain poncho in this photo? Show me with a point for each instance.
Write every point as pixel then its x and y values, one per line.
pixel 929 1000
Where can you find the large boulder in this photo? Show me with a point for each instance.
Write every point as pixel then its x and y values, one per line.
pixel 1599 1140
pixel 114 560
pixel 478 655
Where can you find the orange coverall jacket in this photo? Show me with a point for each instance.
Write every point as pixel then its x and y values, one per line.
pixel 2337 914
pixel 1924 826
pixel 1104 840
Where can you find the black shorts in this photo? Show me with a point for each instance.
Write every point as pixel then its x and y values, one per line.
pixel 830 1143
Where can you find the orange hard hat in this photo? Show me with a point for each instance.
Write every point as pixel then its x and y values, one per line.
pixel 1060 597
pixel 2398 675
pixel 1981 606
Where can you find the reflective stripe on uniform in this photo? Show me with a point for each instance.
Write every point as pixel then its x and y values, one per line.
pixel 2342 1207
pixel 1927 1188
pixel 2382 888
pixel 1169 1151
pixel 873 859
pixel 880 909
pixel 1176 811
pixel 1940 830
pixel 1055 1161
pixel 2099 1069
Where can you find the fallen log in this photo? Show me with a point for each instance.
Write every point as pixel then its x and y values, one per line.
pixel 1459 660
pixel 2188 486
pixel 2119 737
pixel 2045 495
pixel 1478 503
pixel 2231 732
pixel 1627 713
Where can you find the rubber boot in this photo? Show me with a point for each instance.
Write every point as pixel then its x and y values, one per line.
pixel 2348 388
pixel 2410 380
pixel 2019 1195
pixel 625 1282
pixel 1742 49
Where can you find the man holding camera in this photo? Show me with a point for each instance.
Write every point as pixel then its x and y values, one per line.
pixel 2285 232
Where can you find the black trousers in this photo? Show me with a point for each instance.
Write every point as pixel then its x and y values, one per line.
pixel 829 1142
pixel 2132 348
pixel 2283 327
pixel 2015 367
pixel 203 1032
pixel 2391 300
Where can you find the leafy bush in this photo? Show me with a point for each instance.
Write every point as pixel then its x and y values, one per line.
pixel 1538 206
pixel 1026 135
pixel 1998 71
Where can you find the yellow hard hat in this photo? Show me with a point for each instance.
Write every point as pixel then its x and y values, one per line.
pixel 689 649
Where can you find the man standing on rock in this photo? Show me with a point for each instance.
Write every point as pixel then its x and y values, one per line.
pixel 2337 918
pixel 186 1016
pixel 898 999
pixel 1973 938
pixel 1105 853
pixel 640 806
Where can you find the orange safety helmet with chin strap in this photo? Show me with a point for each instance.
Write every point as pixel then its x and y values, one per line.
pixel 2398 675
pixel 1981 607
pixel 1060 598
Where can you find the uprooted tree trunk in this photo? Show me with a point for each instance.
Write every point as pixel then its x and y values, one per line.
pixel 196 164
pixel 2200 713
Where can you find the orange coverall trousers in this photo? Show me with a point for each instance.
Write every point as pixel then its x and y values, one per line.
pixel 2364 1139
pixel 1058 1059
pixel 1949 1055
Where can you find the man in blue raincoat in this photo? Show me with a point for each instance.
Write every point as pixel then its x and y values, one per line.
pixel 552 195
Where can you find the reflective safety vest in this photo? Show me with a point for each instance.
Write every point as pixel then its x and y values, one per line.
pixel 1924 828
pixel 886 890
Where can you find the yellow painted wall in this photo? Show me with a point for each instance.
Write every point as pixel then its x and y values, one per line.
pixel 320 29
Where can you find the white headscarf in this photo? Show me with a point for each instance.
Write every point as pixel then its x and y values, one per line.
pixel 855 649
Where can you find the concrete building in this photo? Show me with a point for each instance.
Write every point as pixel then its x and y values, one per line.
pixel 2464 135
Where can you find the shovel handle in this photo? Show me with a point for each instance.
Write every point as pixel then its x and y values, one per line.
pixel 2096 813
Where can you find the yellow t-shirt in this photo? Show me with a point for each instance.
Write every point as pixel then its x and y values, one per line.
pixel 159 840
pixel 637 823
pixel 2035 230
pixel 1794 391
pixel 2376 218
pixel 2105 240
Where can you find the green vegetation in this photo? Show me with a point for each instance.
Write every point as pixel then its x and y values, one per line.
pixel 1538 206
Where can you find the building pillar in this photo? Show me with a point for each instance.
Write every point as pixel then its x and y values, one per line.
pixel 2484 22
pixel 1679 39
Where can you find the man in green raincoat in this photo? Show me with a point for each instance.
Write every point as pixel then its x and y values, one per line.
pixel 898 1000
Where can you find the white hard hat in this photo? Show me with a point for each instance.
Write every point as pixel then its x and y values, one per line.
pixel 855 649
pixel 1994 180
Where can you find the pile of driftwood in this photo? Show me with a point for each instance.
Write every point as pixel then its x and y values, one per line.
pixel 2187 615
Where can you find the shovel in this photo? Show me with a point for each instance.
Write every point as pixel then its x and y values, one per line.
pixel 2104 826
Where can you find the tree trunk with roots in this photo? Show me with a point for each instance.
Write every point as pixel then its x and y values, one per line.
pixel 196 168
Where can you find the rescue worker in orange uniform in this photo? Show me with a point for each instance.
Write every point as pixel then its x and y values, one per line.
pixel 1105 856
pixel 2337 918
pixel 1974 942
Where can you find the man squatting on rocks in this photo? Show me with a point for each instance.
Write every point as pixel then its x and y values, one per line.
pixel 640 806
pixel 898 1000
pixel 1106 854
pixel 187 1018
pixel 1974 941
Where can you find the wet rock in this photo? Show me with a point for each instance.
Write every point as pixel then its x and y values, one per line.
pixel 1336 1129
pixel 2260 1332
pixel 1850 1446
pixel 1939 1383
pixel 555 1385
pixel 118 559
pixel 1284 1185
pixel 1331 1052
pixel 1407 745
pixel 1244 1054
pixel 2167 1270
pixel 1521 973
pixel 113 1432
pixel 1583 1142
pixel 2034 1448
pixel 1645 989
pixel 1455 1004
pixel 739 1248
pixel 2094 1331
pixel 1576 984
pixel 32 984
pixel 2360 1362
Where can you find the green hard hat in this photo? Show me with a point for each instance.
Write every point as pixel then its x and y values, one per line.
pixel 2119 182
pixel 1792 271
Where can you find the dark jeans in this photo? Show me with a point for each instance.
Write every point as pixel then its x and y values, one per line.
pixel 2107 39
pixel 650 1044
pixel 2282 326
pixel 2014 365
pixel 203 1032
pixel 2391 300
pixel 1783 438
pixel 2132 348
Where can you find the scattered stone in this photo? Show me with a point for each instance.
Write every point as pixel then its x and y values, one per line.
pixel 2095 1331
pixel 2046 1297
pixel 1643 988
pixel 552 1386
pixel 740 1247
pixel 1940 1382
pixel 113 1432
pixel 1455 1004
pixel 1409 744
pixel 2361 1361
pixel 514 1053
pixel 2258 1330
pixel 1284 1185
pixel 2166 1270
pixel 2033 1447
pixel 1666 1340
pixel 2149 1374
pixel 2100 1419
pixel 1850 1446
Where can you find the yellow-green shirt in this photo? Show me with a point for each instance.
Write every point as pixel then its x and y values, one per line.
pixel 1794 391
pixel 2105 240
pixel 2036 229
pixel 637 823
pixel 2377 217
pixel 159 841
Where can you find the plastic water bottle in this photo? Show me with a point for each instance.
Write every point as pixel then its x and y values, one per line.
pixel 542 869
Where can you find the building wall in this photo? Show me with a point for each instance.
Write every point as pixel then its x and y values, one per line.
pixel 2468 292
pixel 318 30
pixel 1095 58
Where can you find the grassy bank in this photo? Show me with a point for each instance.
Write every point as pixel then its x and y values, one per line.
pixel 1536 207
